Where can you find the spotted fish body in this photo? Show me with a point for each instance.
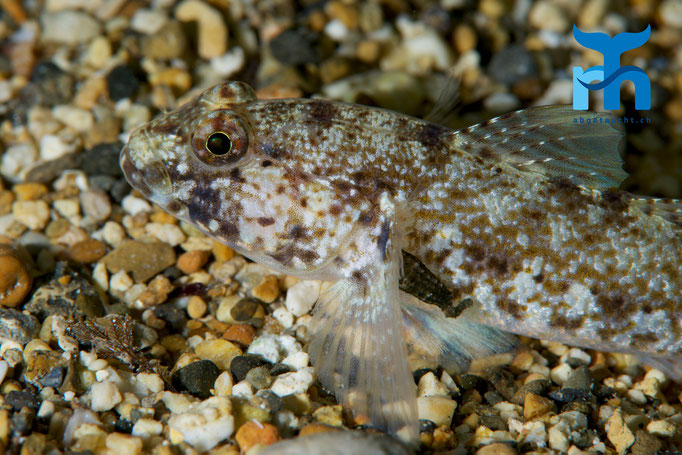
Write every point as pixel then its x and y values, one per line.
pixel 517 215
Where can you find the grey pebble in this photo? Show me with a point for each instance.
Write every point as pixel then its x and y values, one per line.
pixel 17 326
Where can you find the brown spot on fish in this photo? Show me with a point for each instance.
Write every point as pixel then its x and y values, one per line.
pixel 432 135
pixel 266 221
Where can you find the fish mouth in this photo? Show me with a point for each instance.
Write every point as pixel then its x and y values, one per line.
pixel 143 166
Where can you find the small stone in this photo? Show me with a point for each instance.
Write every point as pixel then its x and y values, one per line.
pixel 168 233
pixel 69 27
pixel 329 415
pixel 297 360
pixel 537 387
pixel 44 368
pixel 429 385
pixel 240 333
pixel 120 281
pixel 512 64
pixel 618 432
pixel 213 33
pixel 220 352
pixel 222 252
pixel 124 444
pixel 438 410
pixel 146 428
pixel 141 260
pixel 102 159
pixel 87 251
pixel 148 21
pixel 197 378
pixel 301 297
pixel 661 428
pixel 104 396
pixel 670 12
pixel 32 214
pixel 18 399
pixel 547 15
pixel 497 448
pixel 29 191
pixel 293 383
pixel 95 205
pixel 15 277
pixel 267 290
pixel 243 364
pixel 535 406
pixel 259 378
pixel 203 425
pixel 196 307
pixel 561 373
pixel 167 43
pixel 17 326
pixel 464 38
pixel 113 233
pixel 122 83
pixel 192 261
pixel 236 310
pixel 254 433
pixel 223 384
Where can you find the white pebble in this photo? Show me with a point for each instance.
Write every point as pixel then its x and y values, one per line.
pixel 134 205
pixel 151 381
pixel 293 383
pixel 4 367
pixel 561 373
pixel 213 33
pixel 204 424
pixel 95 204
pixel 120 281
pixel 69 27
pixel 671 13
pixel 32 214
pixel 297 360
pixel 274 348
pixel 68 208
pixel 429 385
pixel 46 409
pixel 661 428
pixel 578 356
pixel 78 119
pixel 113 233
pixel 229 63
pixel 17 158
pixel 146 428
pixel 148 21
pixel 637 397
pixel 71 178
pixel 164 232
pixel 284 317
pixel 242 389
pixel 105 396
pixel 223 384
pixel 438 410
pixel 302 296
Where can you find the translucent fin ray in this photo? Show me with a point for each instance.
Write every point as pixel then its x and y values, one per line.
pixel 359 351
pixel 461 344
pixel 546 140
pixel 668 209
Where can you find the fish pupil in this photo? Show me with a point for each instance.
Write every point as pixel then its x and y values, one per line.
pixel 219 143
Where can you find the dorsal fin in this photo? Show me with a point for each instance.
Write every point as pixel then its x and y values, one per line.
pixel 552 141
pixel 668 209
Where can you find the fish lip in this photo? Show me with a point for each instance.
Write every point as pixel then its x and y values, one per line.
pixel 143 165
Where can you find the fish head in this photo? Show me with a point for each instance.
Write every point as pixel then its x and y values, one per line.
pixel 204 164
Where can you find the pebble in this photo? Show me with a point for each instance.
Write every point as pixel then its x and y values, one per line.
pixel 29 191
pixel 196 307
pixel 297 360
pixel 213 33
pixel 294 47
pixel 535 406
pixel 104 396
pixel 87 251
pixel 141 260
pixel 122 83
pixel 192 261
pixel 32 214
pixel 438 410
pixel 220 352
pixel 167 43
pixel 18 399
pixel 547 15
pixel 661 428
pixel 146 428
pixel 561 373
pixel 203 425
pixel 497 448
pixel 301 297
pixel 15 277
pixel 429 385
pixel 69 27
pixel 670 12
pixel 339 443
pixel 113 233
pixel 240 333
pixel 293 383
pixel 618 432
pixel 44 368
pixel 512 64
pixel 168 233
pixel 148 21
pixel 223 384
pixel 274 348
pixel 124 444
pixel 102 159
pixel 17 326
pixel 95 205
pixel 267 290
pixel 197 378
pixel 120 281
pixel 134 205
pixel 254 433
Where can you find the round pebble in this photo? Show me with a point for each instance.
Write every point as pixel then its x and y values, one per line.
pixel 15 278
pixel 192 261
pixel 254 433
pixel 87 251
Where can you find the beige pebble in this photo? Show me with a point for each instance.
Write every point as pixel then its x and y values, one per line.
pixel 32 214
pixel 222 252
pixel 29 191
pixel 212 28
pixel 192 261
pixel 124 444
pixel 618 432
pixel 196 307
pixel 464 38
pixel 220 352
pixel 267 290
pixel 535 406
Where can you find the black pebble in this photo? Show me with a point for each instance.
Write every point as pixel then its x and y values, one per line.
pixel 241 365
pixel 122 83
pixel 102 159
pixel 169 312
pixel 53 378
pixel 53 85
pixel 197 378
pixel 274 402
pixel 294 47
pixel 18 399
pixel 279 368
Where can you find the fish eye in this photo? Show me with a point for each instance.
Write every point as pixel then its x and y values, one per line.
pixel 219 143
